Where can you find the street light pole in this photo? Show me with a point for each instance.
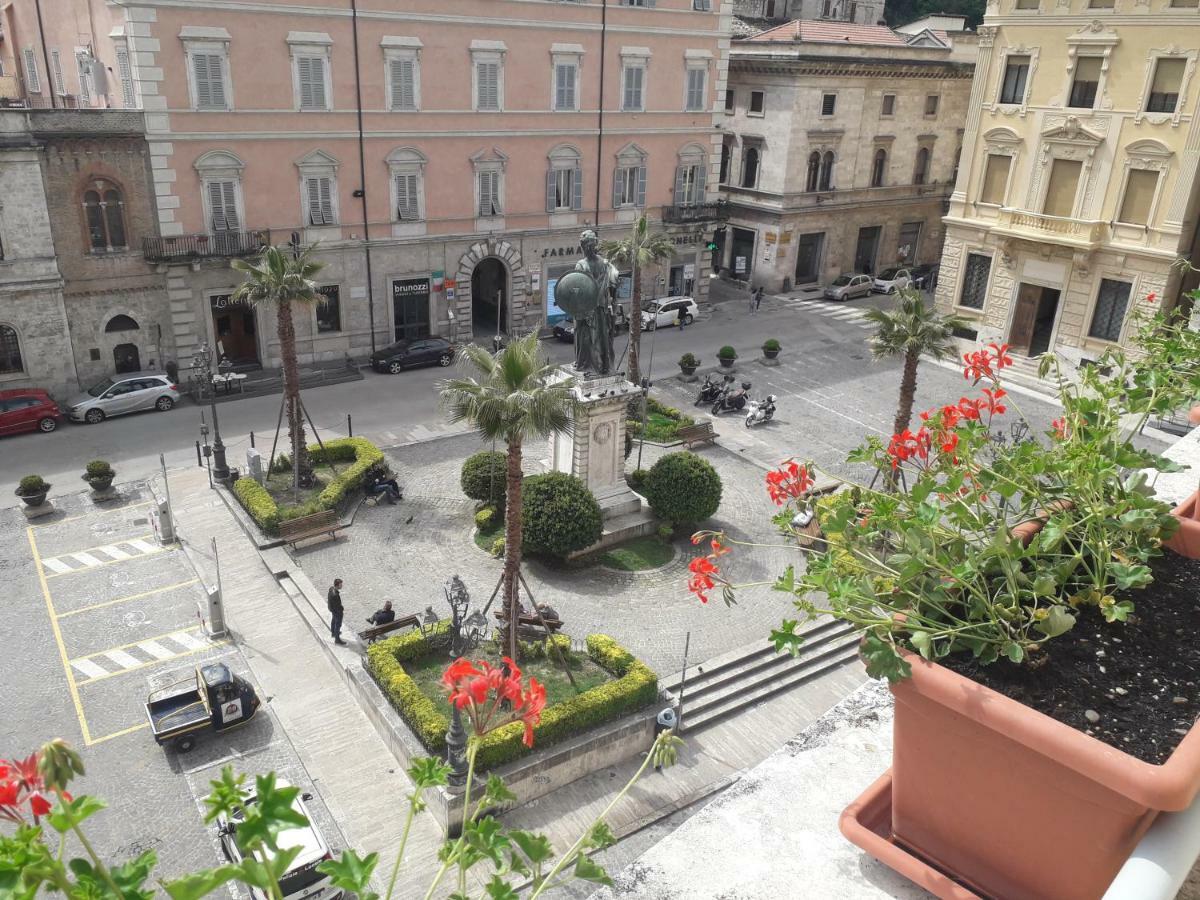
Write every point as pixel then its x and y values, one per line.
pixel 220 468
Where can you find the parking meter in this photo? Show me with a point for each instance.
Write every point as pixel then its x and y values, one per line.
pixel 216 613
pixel 160 518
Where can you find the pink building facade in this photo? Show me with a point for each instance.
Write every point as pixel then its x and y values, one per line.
pixel 444 155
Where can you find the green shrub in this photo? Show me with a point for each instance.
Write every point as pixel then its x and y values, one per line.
pixel 32 484
pixel 258 503
pixel 542 649
pixel 99 468
pixel 637 480
pixel 483 476
pixel 683 488
pixel 384 661
pixel 665 532
pixel 688 361
pixel 770 344
pixel 727 352
pixel 485 518
pixel 628 443
pixel 559 515
pixel 633 427
pixel 498 546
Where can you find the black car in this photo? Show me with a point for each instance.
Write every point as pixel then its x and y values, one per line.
pixel 409 354
pixel 565 331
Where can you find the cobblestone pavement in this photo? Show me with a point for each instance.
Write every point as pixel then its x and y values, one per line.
pixel 404 553
pixel 100 615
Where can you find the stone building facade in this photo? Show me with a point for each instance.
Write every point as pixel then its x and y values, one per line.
pixel 858 12
pixel 840 149
pixel 1077 188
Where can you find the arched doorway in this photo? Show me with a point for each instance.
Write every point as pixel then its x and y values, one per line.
pixel 126 358
pixel 489 298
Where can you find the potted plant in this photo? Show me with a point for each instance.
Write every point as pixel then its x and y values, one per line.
pixel 771 348
pixel 99 475
pixel 688 364
pixel 726 357
pixel 33 490
pixel 1032 749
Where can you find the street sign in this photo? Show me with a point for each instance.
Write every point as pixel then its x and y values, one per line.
pixel 689 270
pixel 739 265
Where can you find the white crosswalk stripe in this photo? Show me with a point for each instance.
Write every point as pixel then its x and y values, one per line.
pixel 155 649
pixel 123 659
pixel 833 310
pixel 143 546
pixel 190 642
pixel 106 663
pixel 87 559
pixel 55 565
pixel 89 668
pixel 82 560
pixel 116 552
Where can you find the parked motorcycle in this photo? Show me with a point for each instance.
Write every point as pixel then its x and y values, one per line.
pixel 710 389
pixel 731 400
pixel 760 411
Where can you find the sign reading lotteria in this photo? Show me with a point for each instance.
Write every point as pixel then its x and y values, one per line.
pixel 410 287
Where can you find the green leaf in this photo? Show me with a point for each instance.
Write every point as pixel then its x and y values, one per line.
pixel 265 874
pixel 486 836
pixel 427 772
pixel 226 795
pixel 497 792
pixel 1130 576
pixel 200 884
pixel 1014 651
pixel 590 870
pixel 923 643
pixel 499 889
pixel 1117 612
pixel 1059 621
pixel 536 847
pixel 1044 586
pixel 785 637
pixel 131 876
pixel 67 813
pixel 787 581
pixel 600 836
pixel 883 660
pixel 271 812
pixel 352 872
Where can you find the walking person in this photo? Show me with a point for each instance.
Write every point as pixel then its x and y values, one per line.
pixel 758 292
pixel 679 318
pixel 334 601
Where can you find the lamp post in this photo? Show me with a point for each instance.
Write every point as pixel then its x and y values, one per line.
pixel 459 600
pixel 203 361
pixel 456 748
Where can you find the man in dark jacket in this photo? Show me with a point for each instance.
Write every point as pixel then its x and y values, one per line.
pixel 334 600
pixel 382 616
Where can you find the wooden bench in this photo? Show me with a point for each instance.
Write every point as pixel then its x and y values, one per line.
pixel 375 632
pixel 324 522
pixel 700 433
pixel 529 626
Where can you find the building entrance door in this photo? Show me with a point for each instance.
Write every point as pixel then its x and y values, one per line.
pixel 235 329
pixel 808 258
pixel 743 253
pixel 410 307
pixel 867 251
pixel 1033 319
pixel 126 358
pixel 489 309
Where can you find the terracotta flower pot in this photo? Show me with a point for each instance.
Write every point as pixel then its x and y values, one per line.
pixel 1186 541
pixel 1028 529
pixel 1007 800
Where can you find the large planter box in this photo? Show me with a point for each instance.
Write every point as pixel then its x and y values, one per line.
pixel 1009 801
pixel 1186 541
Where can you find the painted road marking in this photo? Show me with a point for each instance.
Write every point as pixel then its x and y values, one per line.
pixel 89 668
pixel 123 659
pixel 143 546
pixel 55 566
pixel 182 637
pixel 87 559
pixel 116 552
pixel 139 654
pixel 106 554
pixel 156 649
pixel 115 600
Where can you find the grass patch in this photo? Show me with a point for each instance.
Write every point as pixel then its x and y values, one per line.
pixel 639 554
pixel 279 485
pixel 485 537
pixel 427 671
pixel 662 422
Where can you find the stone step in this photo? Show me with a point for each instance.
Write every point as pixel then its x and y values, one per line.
pixel 630 522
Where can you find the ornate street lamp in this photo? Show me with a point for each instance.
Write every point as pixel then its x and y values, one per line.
pixel 460 601
pixel 202 360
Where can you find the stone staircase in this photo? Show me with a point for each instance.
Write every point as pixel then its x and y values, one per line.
pixel 742 678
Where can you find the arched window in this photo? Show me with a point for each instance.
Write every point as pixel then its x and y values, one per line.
pixel 827 171
pixel 814 171
pixel 121 323
pixel 10 351
pixel 104 215
pixel 750 168
pixel 921 170
pixel 878 168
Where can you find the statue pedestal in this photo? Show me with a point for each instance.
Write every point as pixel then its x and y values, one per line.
pixel 595 454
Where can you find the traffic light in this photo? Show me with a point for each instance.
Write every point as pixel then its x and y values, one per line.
pixel 711 245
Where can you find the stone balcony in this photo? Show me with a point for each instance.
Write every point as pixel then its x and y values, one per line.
pixel 1080 234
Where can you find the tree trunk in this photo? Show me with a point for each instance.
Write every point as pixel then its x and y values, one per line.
pixel 908 392
pixel 635 327
pixel 512 543
pixel 302 474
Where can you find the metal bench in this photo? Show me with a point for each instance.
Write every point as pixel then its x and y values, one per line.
pixel 326 522
pixel 700 433
pixel 375 632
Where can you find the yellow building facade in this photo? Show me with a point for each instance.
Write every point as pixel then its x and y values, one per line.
pixel 1077 186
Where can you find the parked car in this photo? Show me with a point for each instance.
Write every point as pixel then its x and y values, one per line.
pixel 925 277
pixel 301 881
pixel 844 287
pixel 120 394
pixel 891 280
pixel 565 331
pixel 413 353
pixel 28 409
pixel 665 312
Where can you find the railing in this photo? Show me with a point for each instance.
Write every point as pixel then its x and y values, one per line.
pixel 685 213
pixel 218 245
pixel 1051 228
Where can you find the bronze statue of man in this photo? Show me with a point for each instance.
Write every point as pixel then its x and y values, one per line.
pixel 604 274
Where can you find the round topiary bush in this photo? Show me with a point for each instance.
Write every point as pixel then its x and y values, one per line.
pixel 482 476
pixel 683 488
pixel 559 515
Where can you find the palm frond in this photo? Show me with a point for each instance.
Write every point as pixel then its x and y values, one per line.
pixel 912 327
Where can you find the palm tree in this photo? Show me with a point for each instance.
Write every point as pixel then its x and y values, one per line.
pixel 509 397
pixel 909 331
pixel 279 279
pixel 639 250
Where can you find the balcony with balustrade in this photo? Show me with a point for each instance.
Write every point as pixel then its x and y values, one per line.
pixel 218 245
pixel 1080 234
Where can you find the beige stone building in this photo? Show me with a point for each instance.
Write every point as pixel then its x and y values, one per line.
pixel 1077 185
pixel 840 149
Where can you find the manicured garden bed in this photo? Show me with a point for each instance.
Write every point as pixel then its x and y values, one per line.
pixel 639 554
pixel 485 536
pixel 631 686
pixel 662 422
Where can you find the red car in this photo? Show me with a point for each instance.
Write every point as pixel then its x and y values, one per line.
pixel 27 409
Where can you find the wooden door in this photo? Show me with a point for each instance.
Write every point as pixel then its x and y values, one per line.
pixel 1024 317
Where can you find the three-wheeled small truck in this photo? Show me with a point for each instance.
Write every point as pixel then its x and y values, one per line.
pixel 212 698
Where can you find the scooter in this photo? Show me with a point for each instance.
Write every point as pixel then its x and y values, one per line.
pixel 710 389
pixel 731 401
pixel 760 411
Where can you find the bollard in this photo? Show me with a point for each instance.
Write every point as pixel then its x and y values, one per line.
pixel 252 439
pixel 349 426
pixel 199 458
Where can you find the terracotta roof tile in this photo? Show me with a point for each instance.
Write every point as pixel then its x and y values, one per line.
pixel 831 33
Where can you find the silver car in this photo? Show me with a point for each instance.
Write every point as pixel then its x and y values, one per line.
pixel 846 286
pixel 131 392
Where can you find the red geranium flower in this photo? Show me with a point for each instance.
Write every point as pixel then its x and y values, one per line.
pixel 20 784
pixel 703 569
pixel 481 689
pixel 1060 429
pixel 1151 297
pixel 791 480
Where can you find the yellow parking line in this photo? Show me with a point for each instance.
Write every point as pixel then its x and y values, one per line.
pixel 62 650
pixel 95 513
pixel 140 641
pixel 161 590
pixel 117 734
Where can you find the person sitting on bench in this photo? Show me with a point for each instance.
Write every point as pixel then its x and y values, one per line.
pixel 382 616
pixel 383 486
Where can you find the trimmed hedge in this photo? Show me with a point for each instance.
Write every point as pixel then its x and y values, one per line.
pixel 635 687
pixel 484 475
pixel 559 515
pixel 683 488
pixel 363 456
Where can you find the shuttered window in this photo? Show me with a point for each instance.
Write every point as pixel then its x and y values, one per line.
pixel 564 86
pixel 629 187
pixel 125 71
pixel 403 76
pixel 1164 90
pixel 689 184
pixel 222 204
pixel 33 81
pixel 310 81
pixel 489 193
pixel 1139 197
pixel 487 85
pixel 995 179
pixel 1064 182
pixel 209 74
pixel 828 104
pixel 975 281
pixel 635 82
pixel 85 88
pixel 1012 86
pixel 1111 303
pixel 319 196
pixel 1085 83
pixel 408 207
pixel 696 82
pixel 60 83
pixel 564 189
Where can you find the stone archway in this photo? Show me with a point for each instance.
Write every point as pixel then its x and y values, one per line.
pixel 521 314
